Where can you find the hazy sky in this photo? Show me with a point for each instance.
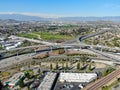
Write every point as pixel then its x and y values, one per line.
pixel 63 7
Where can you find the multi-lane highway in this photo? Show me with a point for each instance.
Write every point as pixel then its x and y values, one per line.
pixel 108 55
pixel 61 45
pixel 68 46
pixel 92 35
pixel 95 86
pixel 101 82
pixel 14 60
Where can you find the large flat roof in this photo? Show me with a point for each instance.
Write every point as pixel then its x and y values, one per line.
pixel 47 82
pixel 14 79
pixel 77 77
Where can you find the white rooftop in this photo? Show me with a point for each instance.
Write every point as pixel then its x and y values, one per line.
pixel 47 82
pixel 77 77
pixel 14 79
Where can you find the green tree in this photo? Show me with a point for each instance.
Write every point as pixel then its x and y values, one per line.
pixel 40 64
pixel 78 66
pixel 57 66
pixel 21 83
pixel 66 65
pixel 39 71
pixel 27 75
pixel 118 79
pixel 1 47
pixel 84 59
pixel 63 65
pixel 51 66
pixel 33 63
pixel 89 66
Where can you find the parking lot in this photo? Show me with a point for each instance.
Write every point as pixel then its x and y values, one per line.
pixel 68 86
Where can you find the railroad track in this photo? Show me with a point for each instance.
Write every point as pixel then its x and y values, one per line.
pixel 104 80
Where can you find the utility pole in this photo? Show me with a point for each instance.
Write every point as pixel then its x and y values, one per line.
pixel 100 44
pixel 51 48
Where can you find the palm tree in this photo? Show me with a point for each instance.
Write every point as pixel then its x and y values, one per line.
pixel 51 66
pixel 62 64
pixel 66 65
pixel 71 63
pixel 57 66
pixel 89 66
pixel 39 71
pixel 78 66
pixel 83 59
pixel 39 64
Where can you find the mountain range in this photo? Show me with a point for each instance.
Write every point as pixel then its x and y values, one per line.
pixel 21 17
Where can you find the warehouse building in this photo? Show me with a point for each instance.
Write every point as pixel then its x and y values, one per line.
pixel 13 81
pixel 48 82
pixel 77 77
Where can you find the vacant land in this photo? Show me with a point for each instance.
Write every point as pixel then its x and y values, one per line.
pixel 46 36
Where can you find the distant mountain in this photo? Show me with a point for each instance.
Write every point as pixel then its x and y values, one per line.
pixel 8 21
pixel 109 18
pixel 21 17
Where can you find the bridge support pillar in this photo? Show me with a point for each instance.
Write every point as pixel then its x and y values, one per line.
pixel 35 51
pixel 66 51
pixel 17 53
pixel 51 49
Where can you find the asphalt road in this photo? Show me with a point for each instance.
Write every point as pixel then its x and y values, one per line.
pixel 108 55
pixel 13 60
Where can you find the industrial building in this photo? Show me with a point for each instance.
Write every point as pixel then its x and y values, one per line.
pixel 13 81
pixel 48 81
pixel 15 45
pixel 77 77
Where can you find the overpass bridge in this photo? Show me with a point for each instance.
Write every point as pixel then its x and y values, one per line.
pixel 52 46
pixel 71 46
pixel 65 45
pixel 93 34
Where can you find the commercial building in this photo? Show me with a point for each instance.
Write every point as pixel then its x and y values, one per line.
pixel 48 81
pixel 77 77
pixel 13 81
pixel 14 45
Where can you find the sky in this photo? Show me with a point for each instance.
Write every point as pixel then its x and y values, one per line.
pixel 62 7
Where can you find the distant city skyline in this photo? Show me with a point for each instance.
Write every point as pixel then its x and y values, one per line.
pixel 61 8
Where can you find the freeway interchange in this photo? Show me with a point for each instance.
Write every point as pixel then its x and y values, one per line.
pixel 12 61
pixel 52 46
